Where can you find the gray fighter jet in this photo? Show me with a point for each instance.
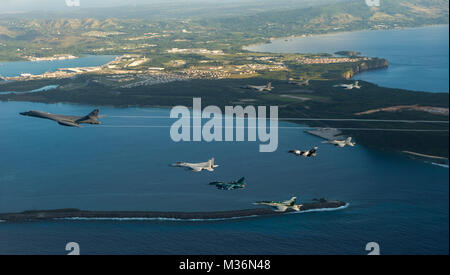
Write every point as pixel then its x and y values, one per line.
pixel 264 88
pixel 302 82
pixel 198 167
pixel 341 143
pixel 71 121
pixel 349 86
pixel 281 206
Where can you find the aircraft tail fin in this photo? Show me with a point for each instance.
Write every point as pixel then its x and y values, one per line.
pixel 292 201
pixel 269 85
pixel 242 180
pixel 349 140
pixel 211 163
pixel 91 118
pixel 94 113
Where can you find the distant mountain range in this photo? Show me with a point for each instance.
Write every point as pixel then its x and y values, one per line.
pixel 223 25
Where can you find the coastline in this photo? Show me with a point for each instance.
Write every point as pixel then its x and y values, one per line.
pixel 245 47
pixel 442 160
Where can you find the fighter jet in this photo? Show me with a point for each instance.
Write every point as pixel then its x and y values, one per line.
pixel 342 143
pixel 71 121
pixel 198 167
pixel 299 83
pixel 240 184
pixel 310 153
pixel 281 206
pixel 349 86
pixel 268 87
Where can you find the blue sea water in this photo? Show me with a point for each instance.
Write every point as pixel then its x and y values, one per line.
pixel 38 90
pixel 400 203
pixel 11 69
pixel 418 57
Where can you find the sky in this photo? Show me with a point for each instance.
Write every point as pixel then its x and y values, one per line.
pixel 10 6
pixel 15 6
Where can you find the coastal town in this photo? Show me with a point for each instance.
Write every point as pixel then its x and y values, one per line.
pixel 208 64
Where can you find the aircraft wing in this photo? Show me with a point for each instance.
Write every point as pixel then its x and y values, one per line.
pixel 216 183
pixel 227 186
pixel 66 120
pixel 63 117
pixel 68 123
pixel 196 168
pixel 280 208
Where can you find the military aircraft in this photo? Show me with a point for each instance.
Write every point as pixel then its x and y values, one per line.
pixel 71 121
pixel 198 167
pixel 267 87
pixel 281 206
pixel 310 153
pixel 342 143
pixel 240 184
pixel 299 83
pixel 349 86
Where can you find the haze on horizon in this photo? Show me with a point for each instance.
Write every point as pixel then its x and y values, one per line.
pixel 21 6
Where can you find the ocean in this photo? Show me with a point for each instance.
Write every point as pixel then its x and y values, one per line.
pixel 123 164
pixel 12 69
pixel 418 57
pixel 400 203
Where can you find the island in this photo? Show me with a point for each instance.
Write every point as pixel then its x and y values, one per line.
pixel 76 214
pixel 348 53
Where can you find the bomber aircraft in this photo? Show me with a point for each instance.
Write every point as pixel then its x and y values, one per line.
pixel 71 121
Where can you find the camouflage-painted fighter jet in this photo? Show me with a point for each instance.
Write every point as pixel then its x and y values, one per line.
pixel 281 206
pixel 240 184
pixel 310 153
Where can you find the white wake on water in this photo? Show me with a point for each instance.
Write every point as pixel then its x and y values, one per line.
pixel 440 165
pixel 194 220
